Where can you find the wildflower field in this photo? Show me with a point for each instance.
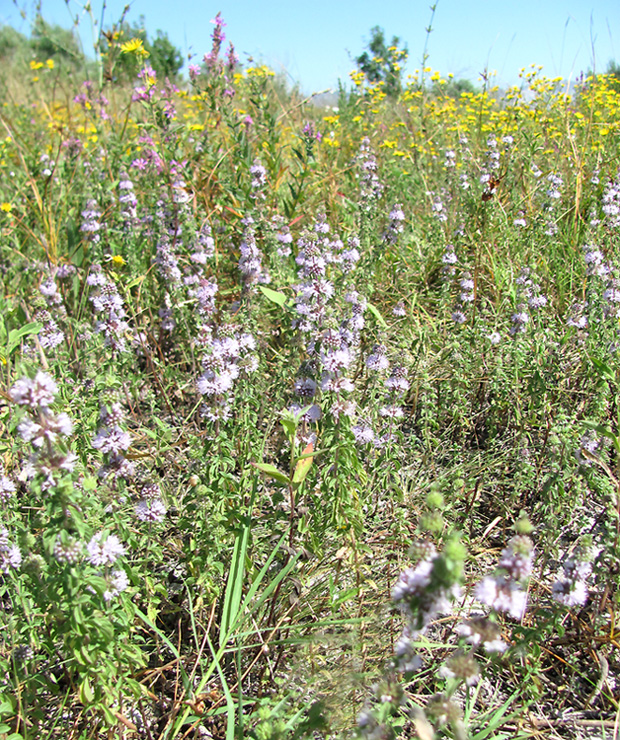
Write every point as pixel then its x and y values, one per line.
pixel 309 418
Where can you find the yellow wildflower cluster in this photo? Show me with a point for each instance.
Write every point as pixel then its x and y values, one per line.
pixel 135 46
pixel 261 71
pixel 430 116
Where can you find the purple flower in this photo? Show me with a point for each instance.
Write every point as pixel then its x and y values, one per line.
pixel 140 164
pixel 47 429
pixel 90 223
pixel 503 595
pixel 151 510
pixel 378 360
pixel 104 552
pixel 572 590
pixel 611 203
pixel 112 440
pixel 39 391
pixel 482 631
pixel 10 555
pixel 397 381
pixel 391 412
pixel 419 596
pixel 449 256
pixel 259 175
pixel 118 582
pixel 363 434
pixel 305 387
pixel 502 591
pixel 7 487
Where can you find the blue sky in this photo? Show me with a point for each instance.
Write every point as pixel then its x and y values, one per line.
pixel 315 41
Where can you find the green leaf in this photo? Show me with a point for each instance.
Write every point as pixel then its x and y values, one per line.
pixel 230 704
pixel 248 606
pixel 135 281
pixel 375 312
pixel 78 617
pixel 273 295
pixel 15 335
pixel 304 464
pixel 603 369
pixel 166 431
pixel 7 705
pixel 105 628
pixel 290 426
pixel 290 421
pixel 98 583
pixel 234 586
pixel 273 472
pixel 87 694
pixel 89 483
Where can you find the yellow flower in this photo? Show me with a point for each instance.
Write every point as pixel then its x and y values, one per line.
pixel 6 207
pixel 135 46
pixel 50 64
pixel 35 65
pixel 118 260
pixel 261 71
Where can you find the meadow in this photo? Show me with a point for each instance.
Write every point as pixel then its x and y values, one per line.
pixel 309 419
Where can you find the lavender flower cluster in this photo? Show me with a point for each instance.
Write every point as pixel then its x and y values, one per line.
pixel 110 309
pixel 529 296
pixel 421 593
pixel 503 591
pixel 51 335
pixel 43 429
pixel 227 352
pixel 331 342
pixel 48 434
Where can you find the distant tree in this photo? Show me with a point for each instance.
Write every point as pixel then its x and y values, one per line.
pixel 49 41
pixel 11 42
pixel 382 63
pixel 613 69
pixel 163 57
pixel 455 88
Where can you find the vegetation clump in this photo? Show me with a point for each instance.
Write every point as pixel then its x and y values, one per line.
pixel 309 419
